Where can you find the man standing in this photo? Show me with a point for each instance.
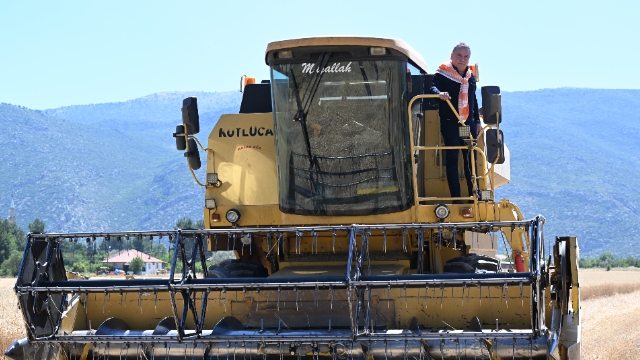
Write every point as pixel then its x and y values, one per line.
pixel 454 81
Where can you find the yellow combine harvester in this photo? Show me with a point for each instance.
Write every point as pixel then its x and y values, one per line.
pixel 329 190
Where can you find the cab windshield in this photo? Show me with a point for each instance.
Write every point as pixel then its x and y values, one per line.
pixel 342 136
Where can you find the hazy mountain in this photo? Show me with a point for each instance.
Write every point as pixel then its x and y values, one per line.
pixel 103 166
pixel 154 108
pixel 574 156
pixel 152 116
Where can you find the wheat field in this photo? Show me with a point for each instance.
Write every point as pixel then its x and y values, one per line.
pixel 11 323
pixel 610 314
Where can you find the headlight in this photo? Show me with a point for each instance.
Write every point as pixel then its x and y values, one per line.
pixel 377 51
pixel 485 195
pixel 212 180
pixel 285 54
pixel 233 216
pixel 210 203
pixel 464 131
pixel 246 239
pixel 442 211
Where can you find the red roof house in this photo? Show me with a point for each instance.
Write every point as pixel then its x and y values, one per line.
pixel 123 258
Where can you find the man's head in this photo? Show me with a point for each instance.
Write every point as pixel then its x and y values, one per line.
pixel 460 56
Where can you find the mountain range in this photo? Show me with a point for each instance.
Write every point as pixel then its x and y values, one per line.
pixel 575 156
pixel 113 166
pixel 103 167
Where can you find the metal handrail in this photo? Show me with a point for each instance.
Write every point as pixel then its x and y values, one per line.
pixel 288 336
pixel 414 148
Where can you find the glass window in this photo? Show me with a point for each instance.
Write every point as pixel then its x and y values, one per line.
pixel 342 136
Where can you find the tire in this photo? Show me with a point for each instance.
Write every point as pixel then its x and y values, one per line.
pixel 216 274
pixel 243 265
pixel 488 266
pixel 235 268
pixel 458 268
pixel 478 263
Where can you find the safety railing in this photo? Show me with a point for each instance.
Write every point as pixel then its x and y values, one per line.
pixel 471 146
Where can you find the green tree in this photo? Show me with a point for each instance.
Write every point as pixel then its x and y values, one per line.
pixel 606 260
pixel 37 226
pixel 188 224
pixel 586 263
pixel 81 266
pixel 136 265
pixel 12 239
pixel 11 266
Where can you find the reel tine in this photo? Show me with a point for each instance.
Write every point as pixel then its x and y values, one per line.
pixel 504 292
pixel 384 240
pixel 333 240
pixel 331 289
pixel 404 239
pixel 426 295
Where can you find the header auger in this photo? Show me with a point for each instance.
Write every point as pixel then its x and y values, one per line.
pixel 327 195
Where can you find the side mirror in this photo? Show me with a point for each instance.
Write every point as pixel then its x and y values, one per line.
pixel 181 140
pixel 495 146
pixel 193 155
pixel 491 105
pixel 190 117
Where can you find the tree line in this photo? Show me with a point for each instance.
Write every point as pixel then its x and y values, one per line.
pixel 12 242
pixel 608 260
pixel 82 256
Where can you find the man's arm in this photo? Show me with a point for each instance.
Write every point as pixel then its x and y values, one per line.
pixel 437 84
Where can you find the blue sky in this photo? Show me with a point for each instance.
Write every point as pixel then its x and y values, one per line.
pixel 62 53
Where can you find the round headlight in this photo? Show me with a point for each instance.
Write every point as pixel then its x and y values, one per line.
pixel 442 211
pixel 233 216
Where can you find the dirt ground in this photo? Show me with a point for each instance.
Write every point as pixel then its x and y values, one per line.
pixel 610 320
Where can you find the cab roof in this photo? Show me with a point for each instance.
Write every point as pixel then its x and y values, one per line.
pixel 399 45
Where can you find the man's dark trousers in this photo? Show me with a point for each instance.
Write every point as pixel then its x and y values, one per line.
pixel 449 128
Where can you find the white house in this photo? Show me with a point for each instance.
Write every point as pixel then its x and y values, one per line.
pixel 122 259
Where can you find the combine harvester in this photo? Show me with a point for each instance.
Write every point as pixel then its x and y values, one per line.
pixel 330 190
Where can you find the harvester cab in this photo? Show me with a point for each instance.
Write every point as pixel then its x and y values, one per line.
pixel 329 232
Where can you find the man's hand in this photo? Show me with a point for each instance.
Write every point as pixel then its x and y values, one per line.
pixel 444 96
pixel 478 128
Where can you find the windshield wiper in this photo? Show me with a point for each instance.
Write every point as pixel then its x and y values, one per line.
pixel 304 104
pixel 365 78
